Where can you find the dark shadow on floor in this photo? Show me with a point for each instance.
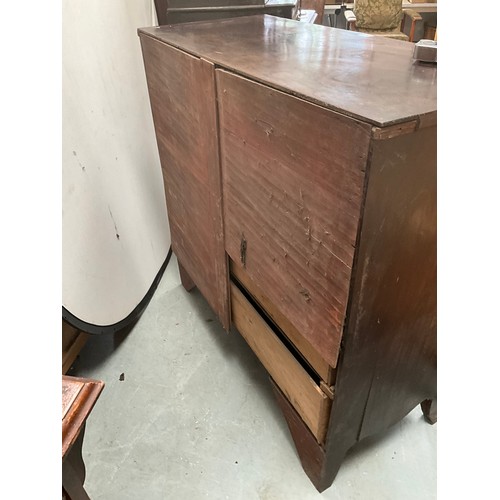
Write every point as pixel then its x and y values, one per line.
pixel 99 348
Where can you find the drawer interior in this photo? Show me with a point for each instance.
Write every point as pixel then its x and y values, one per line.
pixel 300 386
pixel 295 341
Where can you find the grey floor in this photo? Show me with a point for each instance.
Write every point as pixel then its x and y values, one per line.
pixel 195 417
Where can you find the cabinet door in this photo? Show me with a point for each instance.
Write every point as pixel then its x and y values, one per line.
pixel 182 94
pixel 293 177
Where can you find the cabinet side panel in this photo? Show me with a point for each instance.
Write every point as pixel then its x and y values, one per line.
pixel 293 175
pixel 399 250
pixel 389 360
pixel 182 95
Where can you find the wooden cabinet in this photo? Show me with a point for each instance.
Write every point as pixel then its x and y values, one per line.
pixel 188 11
pixel 300 175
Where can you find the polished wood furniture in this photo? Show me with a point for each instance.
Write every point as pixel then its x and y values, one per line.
pixel 78 398
pixel 299 166
pixel 73 341
pixel 185 11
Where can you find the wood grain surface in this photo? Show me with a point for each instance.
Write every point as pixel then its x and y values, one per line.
pixel 308 352
pixel 79 396
pixel 312 455
pixel 328 156
pixel 181 91
pixel 293 176
pixel 308 399
pixel 399 268
pixel 369 77
pixel 389 359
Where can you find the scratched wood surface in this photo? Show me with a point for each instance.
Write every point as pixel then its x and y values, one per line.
pixel 389 360
pixel 182 90
pixel 311 403
pixel 308 352
pixel 79 396
pixel 369 77
pixel 397 278
pixel 333 218
pixel 70 391
pixel 293 178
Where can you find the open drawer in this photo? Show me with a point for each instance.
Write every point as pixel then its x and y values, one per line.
pixel 304 393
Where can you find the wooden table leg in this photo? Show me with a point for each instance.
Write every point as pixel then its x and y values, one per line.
pixel 73 471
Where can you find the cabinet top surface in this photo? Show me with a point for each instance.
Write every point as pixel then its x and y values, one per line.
pixel 372 78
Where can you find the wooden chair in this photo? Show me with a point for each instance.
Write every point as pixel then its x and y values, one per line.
pixel 382 17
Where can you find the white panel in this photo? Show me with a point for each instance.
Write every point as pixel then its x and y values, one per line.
pixel 115 229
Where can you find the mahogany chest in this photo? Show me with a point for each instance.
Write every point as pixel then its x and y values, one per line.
pixel 299 165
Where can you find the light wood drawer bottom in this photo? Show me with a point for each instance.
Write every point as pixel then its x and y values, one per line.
pixel 301 345
pixel 310 402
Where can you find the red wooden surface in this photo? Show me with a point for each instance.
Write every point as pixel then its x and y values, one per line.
pixel 332 218
pixel 181 91
pixel 293 178
pixel 369 77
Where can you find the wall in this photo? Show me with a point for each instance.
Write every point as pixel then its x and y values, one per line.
pixel 114 228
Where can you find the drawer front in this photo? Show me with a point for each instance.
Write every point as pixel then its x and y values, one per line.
pixel 310 402
pixel 293 178
pixel 305 350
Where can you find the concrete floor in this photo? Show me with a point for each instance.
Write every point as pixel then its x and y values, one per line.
pixel 195 418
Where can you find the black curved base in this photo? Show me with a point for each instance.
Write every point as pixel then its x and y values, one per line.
pixel 130 319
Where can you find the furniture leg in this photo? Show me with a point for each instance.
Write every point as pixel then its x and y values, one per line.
pixel 186 280
pixel 320 466
pixel 429 409
pixel 73 471
pixel 412 31
pixel 363 317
